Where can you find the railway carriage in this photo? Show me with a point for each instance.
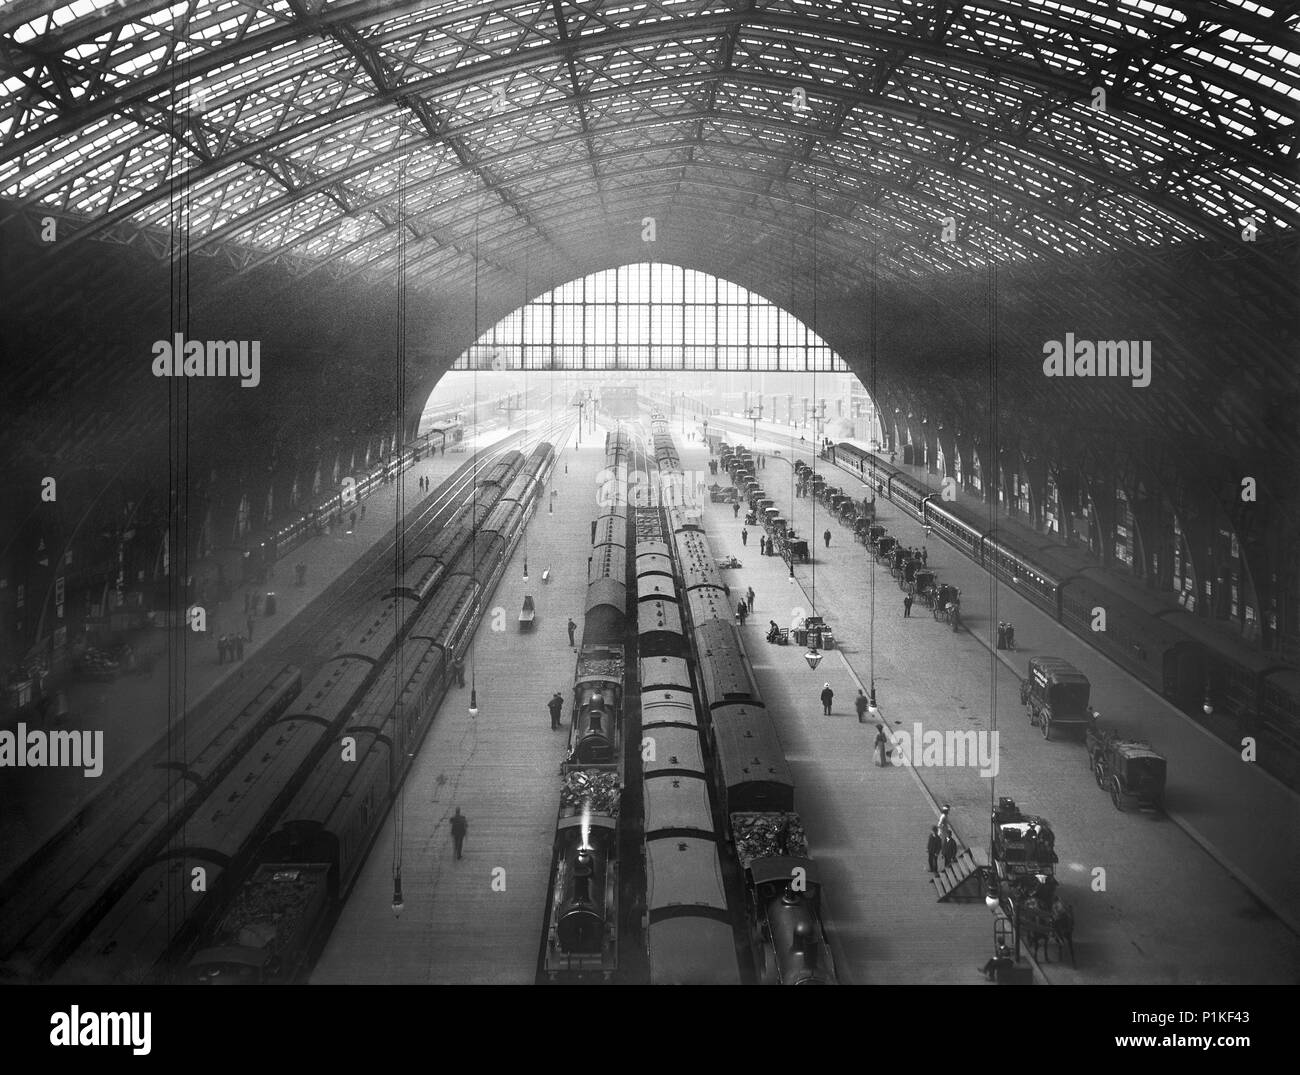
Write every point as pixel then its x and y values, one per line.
pixel 659 627
pixel 669 705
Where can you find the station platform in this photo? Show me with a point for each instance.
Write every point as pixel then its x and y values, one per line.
pixel 480 920
pixel 1207 894
pixel 134 711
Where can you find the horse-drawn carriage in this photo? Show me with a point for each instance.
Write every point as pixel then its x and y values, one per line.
pixel 947 603
pixel 1024 858
pixel 871 533
pixel 907 576
pixel 923 586
pixel 884 546
pixel 1127 768
pixel 792 548
pixel 1056 694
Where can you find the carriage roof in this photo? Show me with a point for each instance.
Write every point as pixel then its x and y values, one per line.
pixel 1017 828
pixel 1133 749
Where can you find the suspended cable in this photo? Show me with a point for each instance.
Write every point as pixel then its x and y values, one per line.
pixel 871 345
pixel 993 450
pixel 399 545
pixel 814 352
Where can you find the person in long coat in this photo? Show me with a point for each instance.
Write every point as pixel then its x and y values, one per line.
pixel 881 754
pixel 828 696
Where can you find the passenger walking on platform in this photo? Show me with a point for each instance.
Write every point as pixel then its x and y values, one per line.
pixel 221 650
pixel 555 705
pixel 860 703
pixel 932 848
pixel 459 827
pixel 907 605
pixel 735 509
pixel 741 612
pixel 827 537
pixel 352 521
pixel 828 696
pixel 572 627
pixel 881 753
pixel 949 851
pixel 459 666
pixel 744 536
pixel 239 647
pixel 301 571
pixel 749 598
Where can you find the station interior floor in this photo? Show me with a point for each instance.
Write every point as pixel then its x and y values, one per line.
pixel 1202 895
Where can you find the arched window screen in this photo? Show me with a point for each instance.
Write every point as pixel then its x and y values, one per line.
pixel 651 316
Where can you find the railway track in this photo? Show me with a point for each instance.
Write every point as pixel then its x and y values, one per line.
pixel 59 891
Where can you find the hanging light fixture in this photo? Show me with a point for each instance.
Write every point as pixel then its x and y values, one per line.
pixel 813 657
pixel 473 701
pixel 871 700
pixel 398 903
pixel 525 568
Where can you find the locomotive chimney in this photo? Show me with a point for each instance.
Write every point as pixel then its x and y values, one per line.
pixel 582 871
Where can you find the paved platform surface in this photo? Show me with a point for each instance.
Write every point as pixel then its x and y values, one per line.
pixel 501 769
pixel 133 711
pixel 1208 894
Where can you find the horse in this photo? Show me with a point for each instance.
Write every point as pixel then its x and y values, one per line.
pixel 1040 926
pixel 1063 928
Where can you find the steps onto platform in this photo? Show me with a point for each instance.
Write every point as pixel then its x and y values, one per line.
pixel 963 881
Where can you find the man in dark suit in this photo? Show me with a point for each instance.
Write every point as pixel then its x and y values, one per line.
pixel 459 827
pixel 932 848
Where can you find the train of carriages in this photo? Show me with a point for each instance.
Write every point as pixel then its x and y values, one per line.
pixel 312 790
pixel 744 758
pixel 274 543
pixel 581 941
pixel 1169 650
